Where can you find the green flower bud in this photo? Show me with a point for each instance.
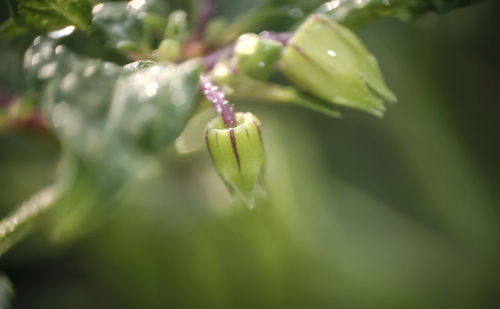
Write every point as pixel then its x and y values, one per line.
pixel 256 56
pixel 215 27
pixel 237 153
pixel 221 73
pixel 328 61
pixel 177 26
pixel 169 50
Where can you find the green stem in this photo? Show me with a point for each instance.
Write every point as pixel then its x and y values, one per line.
pixel 14 226
pixel 356 14
pixel 251 90
pixel 9 7
pixel 75 21
pixel 17 224
pixel 353 14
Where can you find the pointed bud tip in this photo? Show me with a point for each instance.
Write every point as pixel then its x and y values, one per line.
pixel 328 61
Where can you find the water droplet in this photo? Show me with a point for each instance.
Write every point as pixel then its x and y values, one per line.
pixel 151 89
pixel 179 97
pixel 125 44
pixel 46 51
pixel 136 4
pixel 221 70
pixel 331 53
pixel 97 8
pixel 62 32
pixel 332 5
pixel 108 67
pixel 59 114
pixel 155 70
pixel 68 82
pixel 250 203
pixel 35 59
pixel 91 69
pixel 243 37
pixel 295 13
pixel 47 70
pixel 59 49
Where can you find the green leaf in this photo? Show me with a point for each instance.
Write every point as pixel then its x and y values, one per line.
pixel 109 119
pixel 93 45
pixel 11 72
pixel 283 15
pixel 153 104
pixel 12 29
pixel 278 15
pixel 444 6
pixel 356 14
pixel 139 64
pixel 134 26
pixel 93 105
pixel 6 292
pixel 108 116
pixel 42 16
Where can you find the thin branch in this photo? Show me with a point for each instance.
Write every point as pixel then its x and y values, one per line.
pixel 282 37
pixel 211 59
pixel 215 95
pixel 14 226
pixel 206 11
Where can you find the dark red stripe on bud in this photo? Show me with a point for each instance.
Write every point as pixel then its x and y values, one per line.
pixel 235 148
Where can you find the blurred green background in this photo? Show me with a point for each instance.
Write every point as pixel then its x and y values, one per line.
pixel 400 212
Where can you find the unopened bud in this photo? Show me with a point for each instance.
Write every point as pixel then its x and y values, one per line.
pixel 256 56
pixel 330 62
pixel 177 26
pixel 237 153
pixel 169 50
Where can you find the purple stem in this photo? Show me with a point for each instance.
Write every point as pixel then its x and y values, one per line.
pixel 215 95
pixel 206 11
pixel 282 37
pixel 211 59
pixel 6 98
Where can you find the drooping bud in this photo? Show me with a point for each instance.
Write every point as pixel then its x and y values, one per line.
pixel 237 153
pixel 256 56
pixel 328 61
